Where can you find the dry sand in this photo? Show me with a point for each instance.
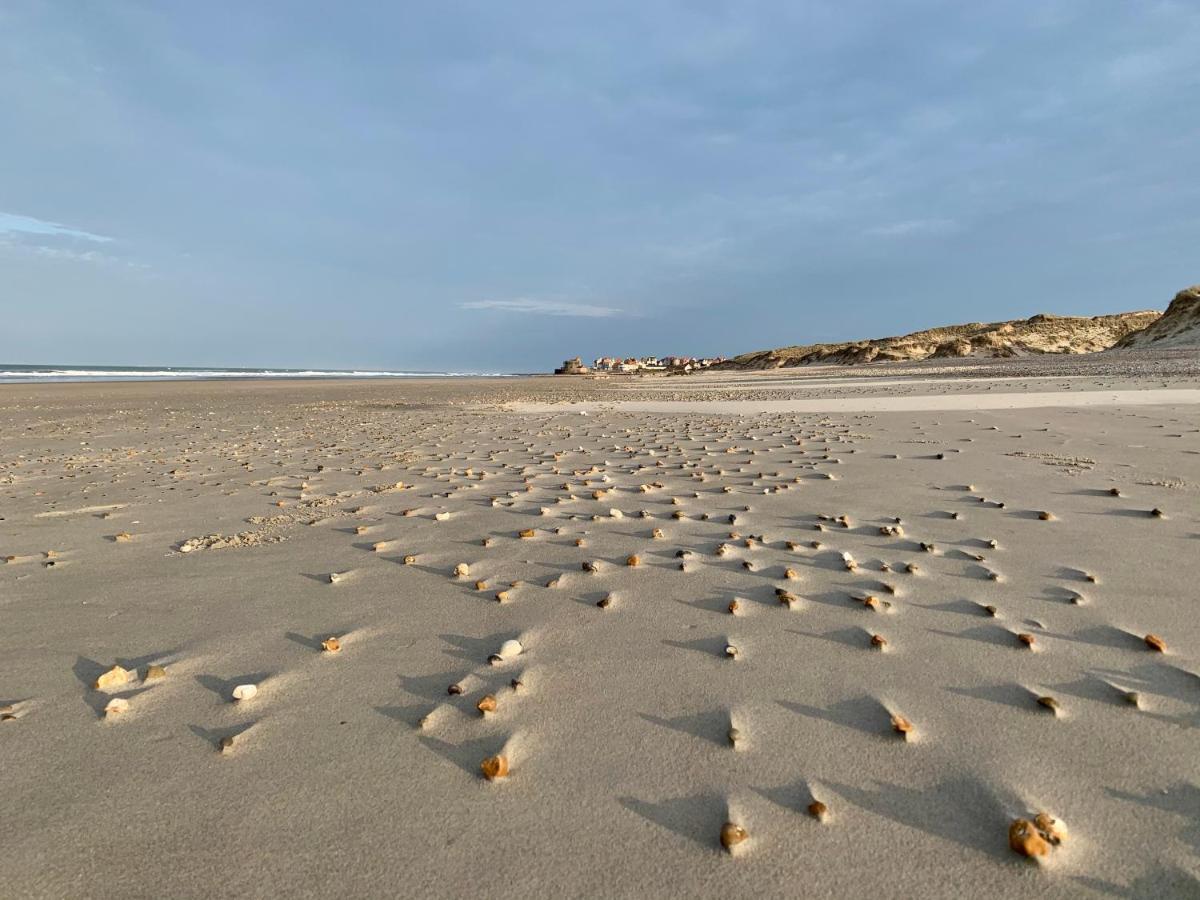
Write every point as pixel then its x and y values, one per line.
pixel 356 772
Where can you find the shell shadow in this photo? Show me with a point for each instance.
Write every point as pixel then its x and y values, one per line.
pixel 961 810
pixel 697 817
pixel 711 726
pixel 864 714
pixel 467 755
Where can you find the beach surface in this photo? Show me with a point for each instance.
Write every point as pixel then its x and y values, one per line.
pixel 977 556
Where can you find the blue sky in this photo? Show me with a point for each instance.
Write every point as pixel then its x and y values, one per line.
pixel 495 186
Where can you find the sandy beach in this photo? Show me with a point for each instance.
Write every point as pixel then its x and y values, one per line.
pixel 930 602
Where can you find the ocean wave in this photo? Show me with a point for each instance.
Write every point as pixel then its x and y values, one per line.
pixel 67 373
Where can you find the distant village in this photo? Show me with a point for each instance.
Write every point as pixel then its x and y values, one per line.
pixel 633 365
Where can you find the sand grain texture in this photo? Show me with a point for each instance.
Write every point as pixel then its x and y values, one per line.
pixel 861 748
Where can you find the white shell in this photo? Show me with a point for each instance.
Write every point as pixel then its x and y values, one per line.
pixel 245 691
pixel 116 706
pixel 509 649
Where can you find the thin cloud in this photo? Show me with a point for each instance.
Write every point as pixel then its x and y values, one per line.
pixel 547 308
pixel 914 228
pixel 10 223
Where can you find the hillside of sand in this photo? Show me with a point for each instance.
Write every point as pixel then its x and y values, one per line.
pixel 1179 326
pixel 997 340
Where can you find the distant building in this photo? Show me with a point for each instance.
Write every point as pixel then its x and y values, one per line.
pixel 572 367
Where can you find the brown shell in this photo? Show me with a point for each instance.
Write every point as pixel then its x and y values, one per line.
pixel 494 767
pixel 1023 837
pixel 1154 642
pixel 633 560
pixel 732 835
pixel 734 606
pixel 1051 828
pixel 486 704
pixel 901 725
pixel 818 810
pixel 331 644
pixel 1026 639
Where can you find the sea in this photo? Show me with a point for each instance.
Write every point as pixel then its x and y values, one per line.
pixel 35 374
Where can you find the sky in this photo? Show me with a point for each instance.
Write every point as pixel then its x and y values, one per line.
pixel 484 186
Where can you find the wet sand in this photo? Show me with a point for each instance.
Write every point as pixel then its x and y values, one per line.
pixel 225 531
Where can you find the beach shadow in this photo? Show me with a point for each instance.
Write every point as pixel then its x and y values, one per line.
pixel 961 810
pixel 794 797
pixel 1089 687
pixel 1182 799
pixel 711 726
pixel 1161 881
pixel 312 643
pixel 475 650
pixel 983 634
pixel 958 607
pixel 697 817
pixel 214 736
pixel 1006 694
pixel 864 714
pixel 223 687
pixel 466 755
pixel 407 715
pixel 1101 636
pixel 431 687
pixel 856 638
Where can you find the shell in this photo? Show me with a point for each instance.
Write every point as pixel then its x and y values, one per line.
pixel 510 648
pixel 494 767
pixel 245 691
pixel 732 835
pixel 360 529
pixel 503 596
pixel 331 645
pixel 486 704
pixel 1046 516
pixel 734 736
pixel 901 725
pixel 818 810
pixel 878 641
pixel 633 560
pixel 657 534
pixel 113 678
pixel 123 537
pixel 1023 837
pixel 734 606
pixel 462 570
pixel 225 745
pixel 1052 829
pixel 410 559
pixel 791 574
pixel 1026 638
pixel 526 533
pixel 154 672
pixel 991 610
pixel 1154 642
pixel 731 651
pixel 1049 703
pixel 116 706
